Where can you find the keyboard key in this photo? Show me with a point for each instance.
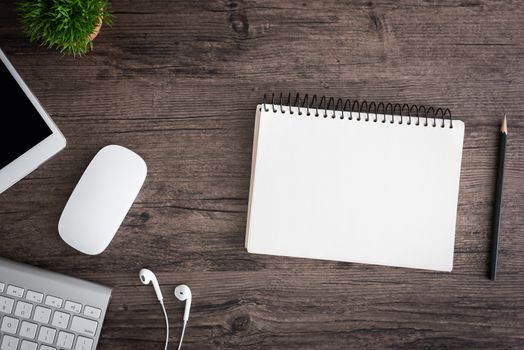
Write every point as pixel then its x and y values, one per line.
pixel 60 319
pixel 6 305
pixel 9 325
pixel 15 291
pixel 72 306
pixel 28 330
pixel 84 343
pixel 83 326
pixel 9 343
pixel 42 314
pixel 28 345
pixel 23 309
pixel 2 286
pixel 65 340
pixel 53 301
pixel 46 335
pixel 35 297
pixel 92 312
pixel 45 347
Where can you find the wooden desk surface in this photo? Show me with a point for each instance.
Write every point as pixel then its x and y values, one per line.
pixel 178 82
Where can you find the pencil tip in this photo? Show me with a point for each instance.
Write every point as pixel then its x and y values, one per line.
pixel 504 126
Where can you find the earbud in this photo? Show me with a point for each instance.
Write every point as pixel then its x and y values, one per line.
pixel 146 277
pixel 183 293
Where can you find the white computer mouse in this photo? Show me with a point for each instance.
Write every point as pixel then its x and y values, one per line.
pixel 101 199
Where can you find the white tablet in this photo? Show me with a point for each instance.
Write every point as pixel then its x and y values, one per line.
pixel 28 136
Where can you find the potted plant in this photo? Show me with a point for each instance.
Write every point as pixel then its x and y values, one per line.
pixel 68 25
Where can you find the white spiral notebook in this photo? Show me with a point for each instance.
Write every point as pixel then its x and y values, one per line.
pixel 378 185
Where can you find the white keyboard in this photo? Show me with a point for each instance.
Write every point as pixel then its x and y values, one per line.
pixel 42 310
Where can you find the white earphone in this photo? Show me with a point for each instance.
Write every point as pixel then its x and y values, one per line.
pixel 146 277
pixel 182 293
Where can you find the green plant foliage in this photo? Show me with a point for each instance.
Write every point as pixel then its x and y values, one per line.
pixel 63 24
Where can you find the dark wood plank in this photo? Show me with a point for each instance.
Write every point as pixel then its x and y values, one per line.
pixel 178 81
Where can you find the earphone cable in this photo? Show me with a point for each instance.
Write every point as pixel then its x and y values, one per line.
pixel 167 324
pixel 182 336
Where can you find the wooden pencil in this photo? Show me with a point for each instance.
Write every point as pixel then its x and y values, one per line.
pixel 498 198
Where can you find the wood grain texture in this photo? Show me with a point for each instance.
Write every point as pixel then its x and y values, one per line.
pixel 178 82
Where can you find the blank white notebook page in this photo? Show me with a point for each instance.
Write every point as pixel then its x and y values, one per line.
pixel 356 191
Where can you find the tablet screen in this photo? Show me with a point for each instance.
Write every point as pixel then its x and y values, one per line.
pixel 21 126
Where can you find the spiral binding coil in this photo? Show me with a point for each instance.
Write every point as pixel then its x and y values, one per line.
pixel 362 108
